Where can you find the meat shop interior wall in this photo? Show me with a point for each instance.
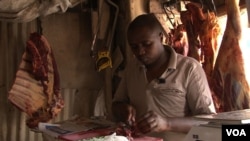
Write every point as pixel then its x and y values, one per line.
pixel 69 34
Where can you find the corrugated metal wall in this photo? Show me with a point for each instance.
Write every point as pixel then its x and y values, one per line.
pixel 13 37
pixel 69 37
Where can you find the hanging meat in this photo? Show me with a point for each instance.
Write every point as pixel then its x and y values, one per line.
pixel 177 39
pixel 36 89
pixel 203 30
pixel 229 79
pixel 192 20
pixel 208 35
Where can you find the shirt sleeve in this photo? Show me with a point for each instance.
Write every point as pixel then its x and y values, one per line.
pixel 199 95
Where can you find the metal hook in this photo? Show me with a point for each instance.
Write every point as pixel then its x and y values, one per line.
pixel 98 26
pixel 210 5
pixel 39 26
pixel 202 4
pixel 167 11
pixel 114 23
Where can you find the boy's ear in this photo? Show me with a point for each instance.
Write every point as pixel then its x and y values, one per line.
pixel 161 36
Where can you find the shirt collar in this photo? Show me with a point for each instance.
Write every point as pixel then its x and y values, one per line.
pixel 172 59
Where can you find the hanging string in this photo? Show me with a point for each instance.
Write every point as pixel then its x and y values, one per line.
pixel 39 26
pixel 39 31
pixel 39 23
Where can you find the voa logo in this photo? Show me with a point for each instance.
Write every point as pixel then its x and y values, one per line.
pixel 236 132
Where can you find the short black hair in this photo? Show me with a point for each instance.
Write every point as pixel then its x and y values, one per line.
pixel 145 20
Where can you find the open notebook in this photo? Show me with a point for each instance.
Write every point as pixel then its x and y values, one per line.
pixel 73 126
pixel 232 117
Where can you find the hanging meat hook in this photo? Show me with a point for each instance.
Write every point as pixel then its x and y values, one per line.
pixel 104 57
pixel 39 26
pixel 98 26
pixel 169 13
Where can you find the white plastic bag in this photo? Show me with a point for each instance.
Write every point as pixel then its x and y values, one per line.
pixel 28 10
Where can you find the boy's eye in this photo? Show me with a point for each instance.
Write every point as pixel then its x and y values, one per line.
pixel 143 44
pixel 146 44
pixel 133 46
